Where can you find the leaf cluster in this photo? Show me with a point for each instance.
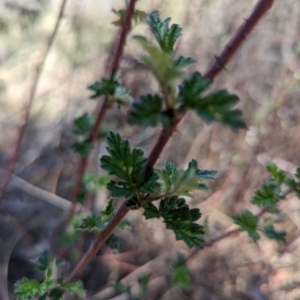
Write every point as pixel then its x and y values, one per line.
pixel 151 110
pixel 138 17
pixel 216 106
pixel 179 273
pixel 52 287
pixel 271 191
pixel 82 127
pixel 178 217
pixel 181 183
pixel 130 168
pixel 98 222
pixel 111 89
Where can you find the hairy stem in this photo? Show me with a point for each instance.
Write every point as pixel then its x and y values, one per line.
pixel 260 9
pixel 32 93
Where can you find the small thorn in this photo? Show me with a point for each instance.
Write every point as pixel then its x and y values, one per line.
pixel 220 64
pixel 244 37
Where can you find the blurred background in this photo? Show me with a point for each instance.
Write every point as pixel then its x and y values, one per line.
pixel 265 74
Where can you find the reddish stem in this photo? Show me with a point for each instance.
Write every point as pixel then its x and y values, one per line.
pixel 236 41
pixel 26 114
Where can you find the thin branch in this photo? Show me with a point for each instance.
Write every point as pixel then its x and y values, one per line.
pixel 105 106
pixel 34 191
pixel 237 40
pixel 259 10
pixel 123 210
pixel 26 114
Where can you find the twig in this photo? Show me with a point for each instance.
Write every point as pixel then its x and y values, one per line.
pixel 236 41
pixel 260 9
pixel 26 114
pixel 105 106
pixel 41 194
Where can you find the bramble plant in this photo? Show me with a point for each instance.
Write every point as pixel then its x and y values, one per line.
pixel 132 176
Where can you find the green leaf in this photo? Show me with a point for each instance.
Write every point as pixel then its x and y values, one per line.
pixel 90 223
pixel 179 218
pixel 94 182
pixel 297 174
pixel 272 234
pixel 113 242
pixel 43 261
pixel 105 87
pixel 129 166
pixel 75 288
pixel 278 175
pixel 218 106
pixel 121 189
pixel 179 273
pixel 192 88
pixel 182 62
pixel 292 184
pixel 159 63
pixel 266 195
pixel 150 211
pixel 51 271
pixel 137 18
pixel 247 222
pixel 179 182
pixel 82 148
pixel 148 112
pixel 83 124
pixel 57 293
pixel 166 36
pixel 109 209
pixel 191 233
pixel 26 289
pixel 124 224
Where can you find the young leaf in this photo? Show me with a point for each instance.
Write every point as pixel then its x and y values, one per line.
pixel 292 184
pixel 266 195
pixel 182 62
pixel 75 288
pixel 113 242
pixel 43 261
pixel 26 289
pixel 108 211
pixel 247 222
pixel 51 271
pixel 179 273
pixel 148 112
pixel 271 233
pixel 179 182
pixel 82 148
pixel 105 87
pixel 90 223
pixel 278 175
pixel 192 88
pixel 124 224
pixel 165 36
pixel 83 124
pixel 158 62
pixel 137 18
